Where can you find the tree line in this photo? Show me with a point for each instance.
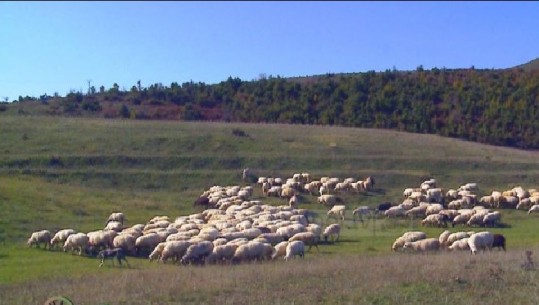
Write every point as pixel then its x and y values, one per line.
pixel 497 107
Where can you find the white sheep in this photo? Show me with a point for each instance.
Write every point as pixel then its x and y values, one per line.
pixel 453 237
pixel 461 245
pixel 75 241
pixel 332 231
pixel 329 200
pixel 360 211
pixel 197 253
pixel 126 242
pixel 443 237
pixel 61 236
pixel 221 253
pixel 395 211
pixel 423 245
pixel 534 209
pixel 308 238
pixel 252 251
pixel 480 241
pixel 337 210
pixel 294 248
pixel 43 236
pixel 157 251
pixel 148 242
pixel 279 250
pixel 175 250
pixel 408 237
pixel 116 216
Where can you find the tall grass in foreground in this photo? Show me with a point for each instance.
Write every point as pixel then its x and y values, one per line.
pixel 445 278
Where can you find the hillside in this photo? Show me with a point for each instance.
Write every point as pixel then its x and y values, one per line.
pixel 497 107
pixel 532 65
pixel 58 172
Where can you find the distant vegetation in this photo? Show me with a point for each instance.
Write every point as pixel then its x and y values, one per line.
pixel 497 107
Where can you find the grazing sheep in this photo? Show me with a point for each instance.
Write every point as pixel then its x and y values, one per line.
pixel 407 237
pixel 454 237
pixel 443 237
pixel 75 241
pixel 438 220
pixel 126 242
pixel 294 248
pixel 197 253
pixel 423 245
pixel 329 200
pixel 146 243
pixel 252 251
pixel 332 231
pixel 221 254
pixel 114 226
pixel 174 249
pixel 157 251
pixel 480 241
pixel 461 245
pixel 337 210
pixel 60 237
pixel 279 250
pixel 308 238
pixel 43 236
pixel 534 209
pixel 395 211
pixel 360 211
pixel 491 219
pixel 117 216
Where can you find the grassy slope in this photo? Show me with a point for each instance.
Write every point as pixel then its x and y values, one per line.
pixel 57 172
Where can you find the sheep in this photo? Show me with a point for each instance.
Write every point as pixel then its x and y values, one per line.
pixel 197 253
pixel 332 231
pixel 480 241
pixel 435 219
pixel 455 236
pixel 78 241
pixel 461 219
pixel 423 245
pixel 175 250
pixel 337 210
pixel 308 238
pixel 360 211
pixel 329 200
pixel 126 242
pixel 433 209
pixel 294 248
pixel 43 236
pixel 407 237
pixel 60 237
pixel 491 219
pixel 534 209
pixel 101 239
pixel 395 212
pixel 293 201
pixel 157 251
pixel 146 243
pixel 114 226
pixel 279 250
pixel 418 211
pixel 221 253
pixel 443 237
pixel 116 216
pixel 252 251
pixel 461 244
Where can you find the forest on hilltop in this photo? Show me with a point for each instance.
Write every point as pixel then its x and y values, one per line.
pixel 498 107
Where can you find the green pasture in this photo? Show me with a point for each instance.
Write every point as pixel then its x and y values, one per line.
pixel 73 172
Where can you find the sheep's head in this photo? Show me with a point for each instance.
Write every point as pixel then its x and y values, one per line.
pixel 407 245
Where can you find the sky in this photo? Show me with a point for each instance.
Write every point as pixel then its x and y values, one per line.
pixel 58 47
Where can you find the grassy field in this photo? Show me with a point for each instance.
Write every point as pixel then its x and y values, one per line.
pixel 64 172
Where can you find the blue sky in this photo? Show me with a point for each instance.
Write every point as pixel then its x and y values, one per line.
pixel 48 47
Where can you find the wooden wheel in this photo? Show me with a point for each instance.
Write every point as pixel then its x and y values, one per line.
pixel 58 300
